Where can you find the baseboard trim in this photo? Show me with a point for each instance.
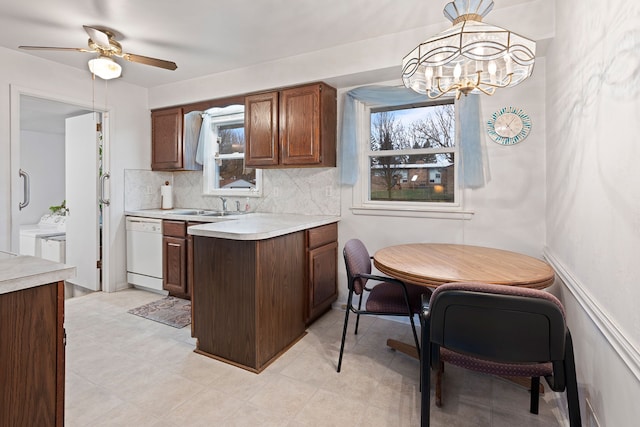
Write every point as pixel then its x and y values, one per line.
pixel 607 326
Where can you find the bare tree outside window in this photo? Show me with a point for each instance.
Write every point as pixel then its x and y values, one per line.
pixel 412 154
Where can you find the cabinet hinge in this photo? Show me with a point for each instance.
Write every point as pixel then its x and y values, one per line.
pixel 99 264
pixel 98 127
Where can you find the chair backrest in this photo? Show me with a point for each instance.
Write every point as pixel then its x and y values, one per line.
pixel 358 261
pixel 498 322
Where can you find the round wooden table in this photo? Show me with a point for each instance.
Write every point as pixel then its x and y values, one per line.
pixel 433 264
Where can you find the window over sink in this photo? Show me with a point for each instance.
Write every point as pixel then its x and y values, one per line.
pixel 221 147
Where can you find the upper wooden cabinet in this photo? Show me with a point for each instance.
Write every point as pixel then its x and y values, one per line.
pixel 261 130
pixel 285 128
pixel 293 127
pixel 168 150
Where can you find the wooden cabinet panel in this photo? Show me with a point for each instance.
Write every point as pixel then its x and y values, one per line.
pixel 249 298
pixel 322 270
pixel 177 256
pixel 32 353
pixel 299 125
pixel 294 127
pixel 169 149
pixel 261 130
pixel 174 262
pixel 190 275
pixel 166 139
pixel 323 235
pixel 174 228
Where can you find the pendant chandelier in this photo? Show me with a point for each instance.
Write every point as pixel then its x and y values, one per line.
pixel 470 57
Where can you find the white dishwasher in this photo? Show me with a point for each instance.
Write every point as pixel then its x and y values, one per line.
pixel 144 253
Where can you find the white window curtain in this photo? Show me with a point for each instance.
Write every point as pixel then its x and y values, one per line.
pixel 469 136
pixel 208 135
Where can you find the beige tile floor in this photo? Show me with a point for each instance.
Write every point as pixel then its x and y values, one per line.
pixel 123 370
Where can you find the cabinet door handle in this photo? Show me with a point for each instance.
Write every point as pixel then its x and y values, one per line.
pixel 27 189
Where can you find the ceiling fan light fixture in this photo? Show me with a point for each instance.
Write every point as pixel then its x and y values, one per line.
pixel 105 68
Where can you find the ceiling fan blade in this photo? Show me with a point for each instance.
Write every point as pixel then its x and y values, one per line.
pixel 75 49
pixel 168 65
pixel 99 37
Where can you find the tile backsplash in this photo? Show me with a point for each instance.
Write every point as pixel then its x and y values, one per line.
pixel 309 191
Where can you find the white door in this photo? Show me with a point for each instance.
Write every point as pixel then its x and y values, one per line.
pixel 81 191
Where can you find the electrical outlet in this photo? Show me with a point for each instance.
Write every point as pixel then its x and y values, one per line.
pixel 590 415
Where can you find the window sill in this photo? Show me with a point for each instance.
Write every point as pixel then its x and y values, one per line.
pixel 442 213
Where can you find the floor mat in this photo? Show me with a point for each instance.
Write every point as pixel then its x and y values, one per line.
pixel 171 311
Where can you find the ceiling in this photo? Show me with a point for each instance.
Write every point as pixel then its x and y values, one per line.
pixel 208 36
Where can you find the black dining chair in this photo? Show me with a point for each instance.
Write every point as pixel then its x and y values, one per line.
pixel 389 297
pixel 501 330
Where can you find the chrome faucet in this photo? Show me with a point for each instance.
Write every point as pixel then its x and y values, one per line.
pixel 224 204
pixel 238 205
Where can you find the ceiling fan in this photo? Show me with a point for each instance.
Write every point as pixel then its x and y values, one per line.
pixel 104 44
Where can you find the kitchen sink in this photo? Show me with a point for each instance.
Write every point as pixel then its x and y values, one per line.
pixel 187 212
pixel 220 213
pixel 205 213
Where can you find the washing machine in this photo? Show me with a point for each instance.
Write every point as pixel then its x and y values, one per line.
pixel 53 248
pixel 31 235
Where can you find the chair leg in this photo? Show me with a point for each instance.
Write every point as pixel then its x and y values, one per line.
pixel 415 335
pixel 358 314
pixel 573 402
pixel 344 332
pixel 535 395
pixel 439 375
pixel 425 377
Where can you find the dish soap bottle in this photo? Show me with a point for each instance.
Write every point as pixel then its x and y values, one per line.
pixel 246 205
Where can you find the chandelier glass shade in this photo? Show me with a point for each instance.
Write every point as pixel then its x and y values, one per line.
pixel 470 57
pixel 105 67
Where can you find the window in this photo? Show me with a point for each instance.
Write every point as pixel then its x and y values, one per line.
pixel 410 161
pixel 224 145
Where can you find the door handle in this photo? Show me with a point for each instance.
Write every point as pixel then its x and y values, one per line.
pixel 103 178
pixel 26 193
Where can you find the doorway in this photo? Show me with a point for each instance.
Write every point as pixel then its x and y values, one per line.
pixel 42 178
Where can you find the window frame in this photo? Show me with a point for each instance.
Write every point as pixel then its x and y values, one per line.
pixel 210 171
pixel 362 203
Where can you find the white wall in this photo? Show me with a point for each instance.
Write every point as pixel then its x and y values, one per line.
pixel 42 157
pixel 593 208
pixel 130 133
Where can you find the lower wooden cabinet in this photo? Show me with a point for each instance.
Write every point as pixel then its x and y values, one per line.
pixel 322 270
pixel 174 258
pixel 248 298
pixel 32 356
pixel 190 275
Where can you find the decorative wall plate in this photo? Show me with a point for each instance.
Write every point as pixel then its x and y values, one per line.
pixel 509 125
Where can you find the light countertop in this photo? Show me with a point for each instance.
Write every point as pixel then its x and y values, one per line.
pixel 249 226
pixel 18 272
